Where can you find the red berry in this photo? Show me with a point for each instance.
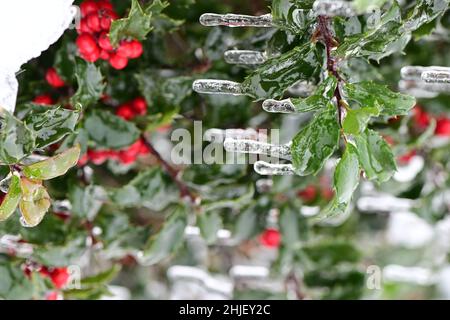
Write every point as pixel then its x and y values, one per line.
pixel 43 99
pixel 98 157
pixel 308 194
pixel 93 22
pixel 91 57
pixel 105 55
pixel 406 158
pixel 53 295
pixel 88 7
pixel 139 106
pixel 83 27
pixel 83 160
pixel 59 277
pixel 104 42
pixel 126 157
pixel 86 43
pixel 124 49
pixel 136 49
pixel 270 238
pixel 125 111
pixel 118 62
pixel 443 127
pixel 54 79
pixel 421 118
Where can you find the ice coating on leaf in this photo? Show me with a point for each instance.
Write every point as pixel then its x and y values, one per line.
pixel 334 8
pixel 235 20
pixel 34 204
pixel 221 134
pixel 269 169
pixel 12 198
pixel 36 25
pixel 436 76
pixel 257 147
pixel 276 106
pixel 13 243
pixel 211 86
pixel 247 57
pixel 302 89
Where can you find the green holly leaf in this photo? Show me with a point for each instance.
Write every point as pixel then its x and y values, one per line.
pixel 346 175
pixel 316 142
pixel 35 201
pixel 290 15
pixel 152 189
pixel 54 166
pixel 375 96
pixel 318 100
pixel 137 25
pixel 209 223
pixel 367 5
pixel 87 201
pixel 51 125
pixel 167 241
pixel 425 12
pixel 90 84
pixel 12 198
pixel 16 139
pixel 109 131
pixel 375 156
pixel 277 74
pixel 356 120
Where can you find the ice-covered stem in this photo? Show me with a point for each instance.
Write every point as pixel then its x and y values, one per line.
pixel 326 35
pixel 185 192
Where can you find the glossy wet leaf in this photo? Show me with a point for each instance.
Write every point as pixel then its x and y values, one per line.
pixel 277 74
pixel 375 156
pixel 319 99
pixel 35 202
pixel 209 223
pixel 51 125
pixel 16 139
pixel 87 201
pixel 166 241
pixel 356 120
pixel 375 96
pixel 424 12
pixel 346 175
pixel 136 25
pixel 12 198
pixel 290 15
pixel 90 84
pixel 315 143
pixel 109 131
pixel 54 166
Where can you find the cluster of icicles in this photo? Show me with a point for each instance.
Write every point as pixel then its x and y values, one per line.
pixel 417 81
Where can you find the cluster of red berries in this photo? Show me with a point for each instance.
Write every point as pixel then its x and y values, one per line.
pixel 58 276
pixel 270 238
pixel 54 80
pixel 422 120
pixel 126 156
pixel 93 40
pixel 129 110
pixel 312 192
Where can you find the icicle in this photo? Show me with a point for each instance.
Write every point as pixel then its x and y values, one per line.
pixel 221 134
pixel 418 89
pixel 236 20
pixel 436 76
pixel 415 72
pixel 275 106
pixel 243 271
pixel 334 8
pixel 256 147
pixel 384 203
pixel 211 86
pixel 302 89
pixel 269 169
pixel 247 57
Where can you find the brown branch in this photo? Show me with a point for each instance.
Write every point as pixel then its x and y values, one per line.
pixel 172 172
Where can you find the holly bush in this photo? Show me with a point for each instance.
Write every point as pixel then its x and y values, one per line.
pixel 93 200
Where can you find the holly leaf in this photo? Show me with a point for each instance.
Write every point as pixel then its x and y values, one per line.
pixel 35 202
pixel 152 189
pixel 109 131
pixel 137 25
pixel 167 241
pixel 90 84
pixel 425 12
pixel 376 96
pixel 318 100
pixel 356 120
pixel 290 15
pixel 316 142
pixel 87 202
pixel 16 139
pixel 346 175
pixel 51 125
pixel 54 166
pixel 375 156
pixel 209 223
pixel 273 77
pixel 12 198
